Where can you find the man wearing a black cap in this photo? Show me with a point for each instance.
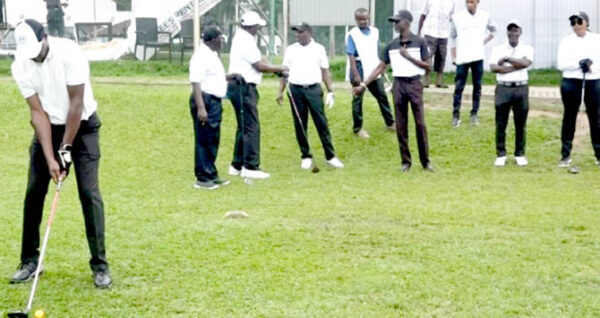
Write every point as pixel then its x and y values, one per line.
pixel 409 56
pixel 467 44
pixel 510 61
pixel 55 17
pixel 209 86
pixel 54 77
pixel 363 57
pixel 245 59
pixel 309 65
pixel 579 60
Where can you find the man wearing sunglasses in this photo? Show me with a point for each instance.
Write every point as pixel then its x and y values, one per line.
pixel 579 60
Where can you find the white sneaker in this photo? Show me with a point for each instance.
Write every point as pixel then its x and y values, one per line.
pixel 254 174
pixel 521 161
pixel 500 161
pixel 233 171
pixel 335 162
pixel 306 163
pixel 564 162
pixel 363 134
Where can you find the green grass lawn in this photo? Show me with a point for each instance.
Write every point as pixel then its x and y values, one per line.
pixel 469 240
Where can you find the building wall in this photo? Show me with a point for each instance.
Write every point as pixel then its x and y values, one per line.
pixel 545 22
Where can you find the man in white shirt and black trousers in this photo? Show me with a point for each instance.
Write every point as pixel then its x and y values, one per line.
pixel 245 59
pixel 209 86
pixel 409 56
pixel 308 66
pixel 362 49
pixel 579 60
pixel 467 45
pixel 510 62
pixel 54 77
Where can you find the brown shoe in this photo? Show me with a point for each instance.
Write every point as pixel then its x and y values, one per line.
pixel 362 134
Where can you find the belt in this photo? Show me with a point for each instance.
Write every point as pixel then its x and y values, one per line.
pixel 408 78
pixel 305 86
pixel 513 84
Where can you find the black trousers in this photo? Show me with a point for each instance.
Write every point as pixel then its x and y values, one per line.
pixel 437 50
pixel 516 98
pixel 246 150
pixel 86 158
pixel 570 91
pixel 410 90
pixel 207 137
pixel 56 22
pixel 378 91
pixel 310 99
pixel 462 71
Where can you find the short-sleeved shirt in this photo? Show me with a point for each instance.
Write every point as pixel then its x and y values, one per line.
pixel 437 23
pixel 518 52
pixel 306 63
pixel 401 67
pixel 65 65
pixel 244 53
pixel 467 33
pixel 207 69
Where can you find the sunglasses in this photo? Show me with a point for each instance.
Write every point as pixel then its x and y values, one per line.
pixel 576 20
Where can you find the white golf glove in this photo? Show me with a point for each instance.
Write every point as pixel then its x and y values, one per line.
pixel 329 100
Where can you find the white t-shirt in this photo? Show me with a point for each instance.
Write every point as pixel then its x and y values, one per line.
pixel 437 22
pixel 64 66
pixel 207 69
pixel 573 49
pixel 244 53
pixel 305 63
pixel 518 52
pixel 467 33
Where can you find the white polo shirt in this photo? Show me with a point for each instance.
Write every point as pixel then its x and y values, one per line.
pixel 305 63
pixel 207 69
pixel 573 49
pixel 437 23
pixel 244 53
pixel 64 66
pixel 518 52
pixel 467 33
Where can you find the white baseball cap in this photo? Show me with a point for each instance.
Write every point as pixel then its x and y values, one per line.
pixel 252 18
pixel 28 35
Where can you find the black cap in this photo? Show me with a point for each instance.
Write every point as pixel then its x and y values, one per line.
pixel 37 28
pixel 211 33
pixel 302 27
pixel 402 14
pixel 582 15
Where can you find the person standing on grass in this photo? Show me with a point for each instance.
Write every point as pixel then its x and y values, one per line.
pixel 510 62
pixel 408 54
pixel 209 86
pixel 435 17
pixel 362 49
pixel 308 65
pixel 245 59
pixel 56 17
pixel 579 61
pixel 467 45
pixel 54 77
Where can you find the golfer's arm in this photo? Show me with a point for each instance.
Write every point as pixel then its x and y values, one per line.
pixel 378 71
pixel 419 63
pixel 75 110
pixel 41 124
pixel 353 68
pixel 519 63
pixel 327 79
pixel 421 20
pixel 197 91
pixel 501 69
pixel 265 67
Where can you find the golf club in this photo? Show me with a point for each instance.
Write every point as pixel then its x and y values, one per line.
pixel 315 169
pixel 25 313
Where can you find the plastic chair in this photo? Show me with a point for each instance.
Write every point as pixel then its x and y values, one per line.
pixel 187 36
pixel 146 34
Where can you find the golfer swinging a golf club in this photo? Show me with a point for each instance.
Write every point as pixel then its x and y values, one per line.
pixel 309 65
pixel 53 76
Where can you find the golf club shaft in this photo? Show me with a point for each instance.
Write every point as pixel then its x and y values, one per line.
pixel 45 242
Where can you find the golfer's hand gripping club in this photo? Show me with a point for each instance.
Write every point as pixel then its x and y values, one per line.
pixel 585 65
pixel 64 156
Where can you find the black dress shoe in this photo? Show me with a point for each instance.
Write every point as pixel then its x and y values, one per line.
pixel 102 279
pixel 24 274
pixel 405 167
pixel 429 167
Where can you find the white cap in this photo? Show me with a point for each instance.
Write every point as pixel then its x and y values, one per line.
pixel 28 45
pixel 514 22
pixel 252 18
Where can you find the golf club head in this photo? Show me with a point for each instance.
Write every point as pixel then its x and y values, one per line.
pixel 315 169
pixel 17 314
